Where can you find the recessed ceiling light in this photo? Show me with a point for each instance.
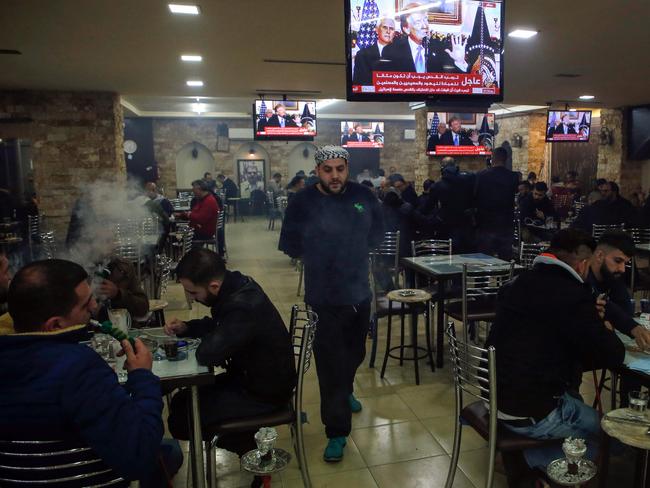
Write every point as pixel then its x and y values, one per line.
pixel 177 8
pixel 523 33
pixel 194 83
pixel 191 58
pixel 587 97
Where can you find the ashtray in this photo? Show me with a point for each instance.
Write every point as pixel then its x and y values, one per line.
pixel 407 293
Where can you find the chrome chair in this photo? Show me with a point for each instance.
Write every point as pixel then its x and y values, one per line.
pixel 528 253
pixel 639 235
pixel 474 371
pixel 48 245
pixel 274 211
pixel 388 253
pixel 430 247
pixel 53 463
pixel 479 293
pixel 302 330
pixel 300 267
pixel 598 230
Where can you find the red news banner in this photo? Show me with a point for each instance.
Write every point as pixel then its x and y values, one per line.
pixel 569 137
pixel 447 83
pixel 286 131
pixel 458 150
pixel 363 144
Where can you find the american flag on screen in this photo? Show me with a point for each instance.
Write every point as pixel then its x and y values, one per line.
pixel 485 133
pixel 367 35
pixel 583 122
pixel 434 124
pixel 262 113
pixel 346 127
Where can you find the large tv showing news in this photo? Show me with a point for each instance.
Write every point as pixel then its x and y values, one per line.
pixel 460 134
pixel 568 126
pixel 441 50
pixel 362 134
pixel 284 120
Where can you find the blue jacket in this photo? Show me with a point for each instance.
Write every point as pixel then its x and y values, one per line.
pixel 52 387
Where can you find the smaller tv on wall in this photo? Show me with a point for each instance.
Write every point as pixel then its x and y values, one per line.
pixel 568 126
pixel 359 135
pixel 285 120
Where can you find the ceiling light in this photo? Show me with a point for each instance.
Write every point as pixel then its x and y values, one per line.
pixel 176 8
pixel 523 33
pixel 586 97
pixel 191 58
pixel 194 83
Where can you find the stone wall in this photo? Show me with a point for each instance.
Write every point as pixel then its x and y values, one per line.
pixel 170 135
pixel 76 138
pixel 532 154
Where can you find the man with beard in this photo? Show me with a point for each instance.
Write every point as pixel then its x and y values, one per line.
pixel 606 271
pixel 332 225
pixel 245 335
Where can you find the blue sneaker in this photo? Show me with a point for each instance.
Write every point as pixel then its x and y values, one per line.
pixel 334 450
pixel 355 405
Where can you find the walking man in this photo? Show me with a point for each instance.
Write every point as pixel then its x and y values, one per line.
pixel 332 225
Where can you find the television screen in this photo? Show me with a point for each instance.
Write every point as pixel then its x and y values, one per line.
pixel 362 134
pixel 638 145
pixel 443 50
pixel 568 126
pixel 460 134
pixel 284 119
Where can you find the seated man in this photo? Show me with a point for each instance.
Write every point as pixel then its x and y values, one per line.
pixel 535 208
pixel 245 335
pixel 123 289
pixel 547 327
pixel 52 387
pixel 204 212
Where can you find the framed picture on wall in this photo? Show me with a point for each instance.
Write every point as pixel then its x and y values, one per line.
pixel 250 176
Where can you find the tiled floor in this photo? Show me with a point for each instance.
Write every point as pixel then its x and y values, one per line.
pixel 404 434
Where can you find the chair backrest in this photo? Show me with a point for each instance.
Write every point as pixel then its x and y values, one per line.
pixel 389 248
pixel 598 230
pixel 474 372
pixel 528 253
pixel 188 236
pixel 639 235
pixel 431 247
pixel 55 463
pixel 128 249
pixel 270 200
pixel 221 219
pixel 34 224
pixel 163 272
pixel 302 330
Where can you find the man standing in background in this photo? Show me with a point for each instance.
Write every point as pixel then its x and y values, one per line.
pixel 332 225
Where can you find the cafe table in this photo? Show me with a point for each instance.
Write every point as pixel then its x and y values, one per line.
pixel 187 373
pixel 442 269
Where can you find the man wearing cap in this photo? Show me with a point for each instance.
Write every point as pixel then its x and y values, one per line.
pixel 332 225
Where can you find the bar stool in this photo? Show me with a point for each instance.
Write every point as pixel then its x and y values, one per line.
pixel 414 301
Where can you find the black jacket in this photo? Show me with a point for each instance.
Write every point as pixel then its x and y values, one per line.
pixel 606 212
pixel 230 187
pixel 447 139
pixel 619 309
pixel 433 141
pixel 528 206
pixel 274 121
pixel 546 328
pixel 247 336
pixel 453 194
pixel 333 234
pixel 364 64
pixel 398 57
pixel 495 196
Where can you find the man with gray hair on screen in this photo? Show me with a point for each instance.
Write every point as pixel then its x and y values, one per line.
pixel 332 225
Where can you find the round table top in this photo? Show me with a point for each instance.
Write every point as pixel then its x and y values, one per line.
pixel 626 430
pixel 408 295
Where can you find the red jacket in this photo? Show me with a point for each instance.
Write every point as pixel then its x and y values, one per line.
pixel 203 216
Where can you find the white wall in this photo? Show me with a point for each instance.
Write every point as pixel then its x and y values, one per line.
pixel 297 160
pixel 189 169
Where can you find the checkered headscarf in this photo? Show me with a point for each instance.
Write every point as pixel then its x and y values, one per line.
pixel 326 153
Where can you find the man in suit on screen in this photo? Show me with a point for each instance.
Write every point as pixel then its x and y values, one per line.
pixel 564 127
pixel 414 51
pixel 434 140
pixel 280 118
pixel 359 135
pixel 367 58
pixel 454 136
pixel 264 121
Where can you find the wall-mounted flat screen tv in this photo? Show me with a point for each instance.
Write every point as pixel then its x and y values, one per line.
pixel 460 134
pixel 284 120
pixel 362 134
pixel 439 50
pixel 568 126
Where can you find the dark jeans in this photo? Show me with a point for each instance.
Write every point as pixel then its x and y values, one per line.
pixel 496 241
pixel 225 400
pixel 339 349
pixel 171 460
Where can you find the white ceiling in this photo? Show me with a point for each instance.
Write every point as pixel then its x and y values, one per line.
pixel 133 47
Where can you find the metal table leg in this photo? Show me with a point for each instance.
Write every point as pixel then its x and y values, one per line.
pixel 440 323
pixel 197 440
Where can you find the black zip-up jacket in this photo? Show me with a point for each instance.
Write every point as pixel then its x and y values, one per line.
pixel 247 336
pixel 546 328
pixel 619 309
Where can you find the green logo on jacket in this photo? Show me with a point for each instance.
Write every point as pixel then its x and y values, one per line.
pixel 360 208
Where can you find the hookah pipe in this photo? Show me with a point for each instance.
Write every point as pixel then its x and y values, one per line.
pixel 106 327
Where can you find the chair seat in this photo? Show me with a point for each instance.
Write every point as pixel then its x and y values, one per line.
pixel 478 417
pixel 396 308
pixel 480 310
pixel 235 426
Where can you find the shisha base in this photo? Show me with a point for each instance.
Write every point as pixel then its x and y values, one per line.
pixel 252 462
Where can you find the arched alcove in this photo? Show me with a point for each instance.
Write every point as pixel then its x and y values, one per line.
pixel 301 157
pixel 192 161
